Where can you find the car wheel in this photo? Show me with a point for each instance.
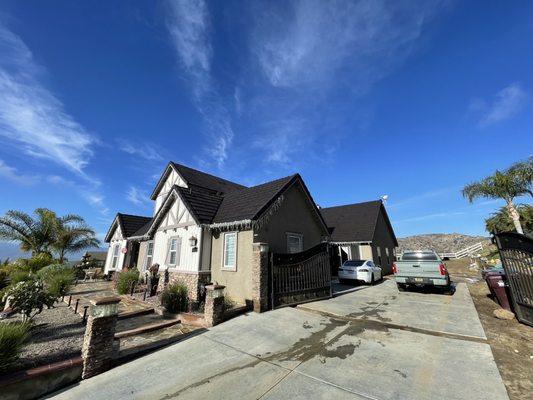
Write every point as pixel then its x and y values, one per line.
pixel 402 287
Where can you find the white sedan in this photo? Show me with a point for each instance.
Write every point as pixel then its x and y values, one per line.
pixel 360 270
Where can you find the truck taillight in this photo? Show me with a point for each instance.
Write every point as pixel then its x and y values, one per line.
pixel 442 269
pixel 394 269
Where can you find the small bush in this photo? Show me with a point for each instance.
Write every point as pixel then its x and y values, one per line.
pixel 4 277
pixel 12 336
pixel 126 279
pixel 19 275
pixel 175 298
pixel 29 298
pixel 57 279
pixel 36 262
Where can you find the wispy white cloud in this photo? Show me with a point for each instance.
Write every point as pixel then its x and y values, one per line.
pixel 12 174
pixel 310 54
pixel 430 216
pixel 423 197
pixel 138 197
pixel 148 151
pixel 89 192
pixel 31 117
pixel 318 39
pixel 189 25
pixel 506 104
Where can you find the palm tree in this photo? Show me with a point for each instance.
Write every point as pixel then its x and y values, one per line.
pixel 507 185
pixel 34 233
pixel 500 221
pixel 72 235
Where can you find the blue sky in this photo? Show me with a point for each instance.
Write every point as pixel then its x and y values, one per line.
pixel 365 98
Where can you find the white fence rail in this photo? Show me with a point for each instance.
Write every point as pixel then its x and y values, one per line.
pixel 467 251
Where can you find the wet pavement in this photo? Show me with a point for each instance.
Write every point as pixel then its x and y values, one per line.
pixel 362 345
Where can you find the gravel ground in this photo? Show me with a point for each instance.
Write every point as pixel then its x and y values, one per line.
pixel 57 335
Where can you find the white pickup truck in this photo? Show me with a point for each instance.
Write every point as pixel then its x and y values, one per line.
pixel 420 268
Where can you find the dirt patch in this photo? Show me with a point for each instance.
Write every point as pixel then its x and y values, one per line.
pixel 511 342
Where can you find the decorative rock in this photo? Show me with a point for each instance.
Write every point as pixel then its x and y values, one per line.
pixel 502 313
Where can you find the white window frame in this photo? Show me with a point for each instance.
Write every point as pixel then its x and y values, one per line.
pixel 299 236
pixel 226 267
pixel 177 250
pixel 115 255
pixel 149 256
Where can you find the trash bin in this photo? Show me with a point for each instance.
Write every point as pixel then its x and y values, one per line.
pixel 499 289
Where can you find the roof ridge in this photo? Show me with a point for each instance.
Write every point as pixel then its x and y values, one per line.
pixel 351 204
pixel 206 173
pixel 132 215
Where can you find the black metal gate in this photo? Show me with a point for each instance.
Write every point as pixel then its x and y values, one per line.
pixel 300 277
pixel 516 253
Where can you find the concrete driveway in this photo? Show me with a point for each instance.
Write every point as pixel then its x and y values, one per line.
pixel 374 343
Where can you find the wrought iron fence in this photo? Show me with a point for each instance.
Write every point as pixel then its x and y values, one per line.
pixel 300 277
pixel 516 253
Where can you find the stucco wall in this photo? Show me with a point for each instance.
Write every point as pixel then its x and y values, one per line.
pixel 141 260
pixel 383 239
pixel 238 283
pixel 294 215
pixel 366 252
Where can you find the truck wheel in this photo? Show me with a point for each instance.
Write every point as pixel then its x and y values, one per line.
pixel 448 290
pixel 402 287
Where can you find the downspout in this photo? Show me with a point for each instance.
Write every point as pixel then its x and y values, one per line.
pixel 200 257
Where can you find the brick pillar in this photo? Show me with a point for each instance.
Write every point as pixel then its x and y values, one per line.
pixel 97 350
pixel 214 305
pixel 260 277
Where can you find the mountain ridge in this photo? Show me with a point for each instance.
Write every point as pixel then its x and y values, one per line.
pixel 440 242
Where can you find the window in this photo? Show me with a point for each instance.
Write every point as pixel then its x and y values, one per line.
pixel 379 255
pixel 149 255
pixel 230 250
pixel 295 242
pixel 388 255
pixel 114 261
pixel 174 251
pixel 353 263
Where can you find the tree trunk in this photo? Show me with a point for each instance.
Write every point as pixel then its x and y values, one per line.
pixel 515 216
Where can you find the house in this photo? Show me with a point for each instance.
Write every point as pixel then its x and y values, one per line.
pixel 203 229
pixel 362 231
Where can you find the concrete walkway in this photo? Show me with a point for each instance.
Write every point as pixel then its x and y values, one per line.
pixel 343 348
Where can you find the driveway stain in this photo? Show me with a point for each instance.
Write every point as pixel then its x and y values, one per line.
pixel 403 374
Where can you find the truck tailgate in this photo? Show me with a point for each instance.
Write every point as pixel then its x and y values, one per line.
pixel 418 268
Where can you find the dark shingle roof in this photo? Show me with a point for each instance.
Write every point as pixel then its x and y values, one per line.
pixel 204 180
pixel 352 222
pixel 201 203
pixel 130 224
pixel 143 229
pixel 250 202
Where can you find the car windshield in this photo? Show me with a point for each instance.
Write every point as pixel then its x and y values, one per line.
pixel 354 263
pixel 419 256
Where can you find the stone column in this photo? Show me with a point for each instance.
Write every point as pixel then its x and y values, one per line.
pixel 214 305
pixel 97 350
pixel 260 277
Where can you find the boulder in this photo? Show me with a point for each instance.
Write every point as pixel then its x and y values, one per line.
pixel 502 313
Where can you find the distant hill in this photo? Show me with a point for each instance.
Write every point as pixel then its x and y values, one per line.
pixel 440 242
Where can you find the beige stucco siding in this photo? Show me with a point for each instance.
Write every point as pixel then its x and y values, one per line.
pixel 366 252
pixel 239 282
pixel 383 240
pixel 141 260
pixel 295 215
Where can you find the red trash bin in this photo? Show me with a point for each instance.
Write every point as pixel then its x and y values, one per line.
pixel 500 289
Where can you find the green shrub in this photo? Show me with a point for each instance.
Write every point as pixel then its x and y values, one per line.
pixel 175 298
pixel 19 275
pixel 126 279
pixel 29 298
pixel 57 279
pixel 12 336
pixel 4 277
pixel 36 262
